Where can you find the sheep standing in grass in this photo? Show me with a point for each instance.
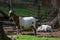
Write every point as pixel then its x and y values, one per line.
pixel 23 22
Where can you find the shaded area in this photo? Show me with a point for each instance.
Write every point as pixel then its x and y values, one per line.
pixel 3 36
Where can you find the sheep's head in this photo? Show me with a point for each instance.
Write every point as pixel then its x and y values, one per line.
pixel 10 14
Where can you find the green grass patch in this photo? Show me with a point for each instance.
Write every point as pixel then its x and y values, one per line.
pixel 27 11
pixel 30 37
pixel 22 11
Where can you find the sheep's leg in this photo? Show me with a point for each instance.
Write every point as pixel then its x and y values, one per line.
pixel 51 33
pixel 34 27
pixel 17 31
pixel 20 30
pixel 34 31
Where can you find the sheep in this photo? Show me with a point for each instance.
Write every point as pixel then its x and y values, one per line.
pixel 44 28
pixel 27 22
pixel 23 22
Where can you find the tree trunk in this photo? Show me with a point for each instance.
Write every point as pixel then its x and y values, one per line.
pixel 52 23
pixel 58 2
pixel 56 21
pixel 3 36
pixel 54 11
pixel 59 18
pixel 46 3
pixel 54 8
pixel 54 3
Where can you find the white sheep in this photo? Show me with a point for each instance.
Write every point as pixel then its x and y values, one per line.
pixel 44 28
pixel 27 22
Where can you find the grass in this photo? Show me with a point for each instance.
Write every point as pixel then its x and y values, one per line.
pixel 22 11
pixel 30 37
pixel 26 11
